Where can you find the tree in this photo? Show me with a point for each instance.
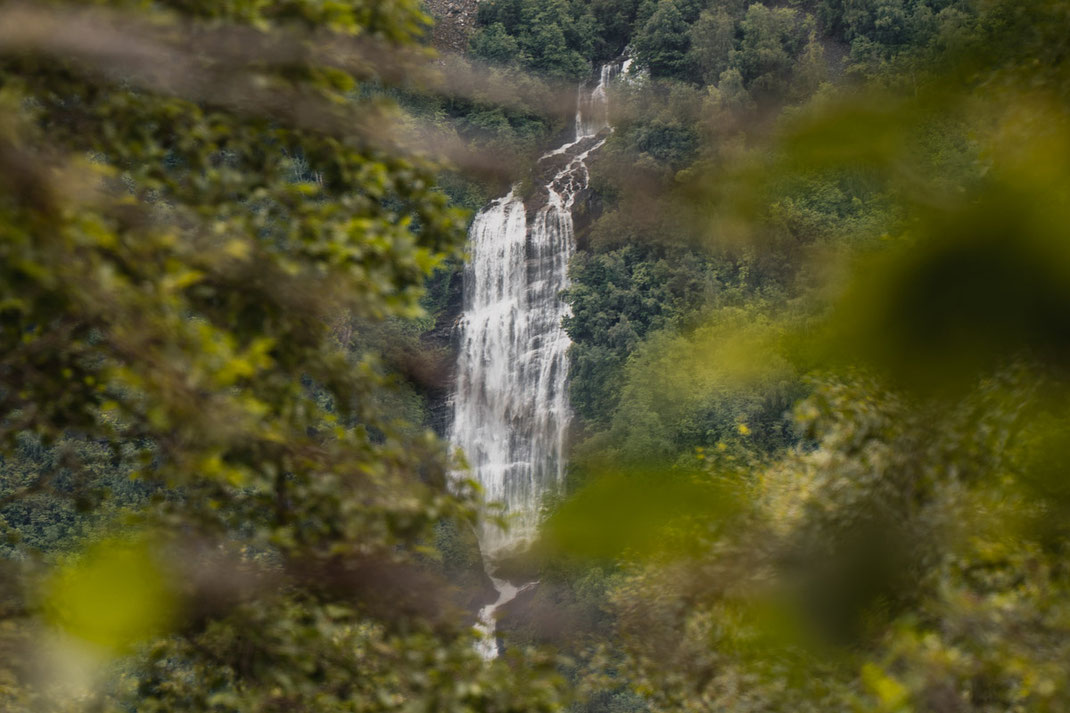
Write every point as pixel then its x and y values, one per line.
pixel 193 195
pixel 614 19
pixel 732 94
pixel 713 37
pixel 550 53
pixel 812 70
pixel 771 39
pixel 663 43
pixel 556 37
pixel 909 553
pixel 493 44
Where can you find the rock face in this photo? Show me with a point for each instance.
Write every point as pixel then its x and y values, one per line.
pixel 454 20
pixel 551 613
pixel 550 175
pixel 469 588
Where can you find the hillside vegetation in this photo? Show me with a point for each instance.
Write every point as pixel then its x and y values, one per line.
pixel 818 371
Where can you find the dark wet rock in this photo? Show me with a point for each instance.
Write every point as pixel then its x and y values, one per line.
pixel 462 567
pixel 585 211
pixel 441 340
pixel 550 612
pixel 549 169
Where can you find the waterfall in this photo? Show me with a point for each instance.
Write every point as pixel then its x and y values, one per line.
pixel 510 402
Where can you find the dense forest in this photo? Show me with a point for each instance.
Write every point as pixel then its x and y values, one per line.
pixel 817 306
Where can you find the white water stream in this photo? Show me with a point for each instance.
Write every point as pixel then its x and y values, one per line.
pixel 510 403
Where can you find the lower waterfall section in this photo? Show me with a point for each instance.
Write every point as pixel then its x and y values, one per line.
pixel 511 407
pixel 510 403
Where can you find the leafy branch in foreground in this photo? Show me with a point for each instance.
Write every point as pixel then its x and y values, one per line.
pixel 178 232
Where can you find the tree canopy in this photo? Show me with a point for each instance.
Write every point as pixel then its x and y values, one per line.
pixel 818 370
pixel 196 206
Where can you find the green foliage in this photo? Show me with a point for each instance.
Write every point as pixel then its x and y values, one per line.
pixel 82 595
pixel 864 575
pixel 494 44
pixel 613 22
pixel 713 38
pixel 771 40
pixel 907 554
pixel 211 288
pixel 887 22
pixel 54 496
pixel 555 49
pixel 552 37
pixel 827 320
pixel 663 44
pixel 697 391
pixel 560 38
pixel 619 298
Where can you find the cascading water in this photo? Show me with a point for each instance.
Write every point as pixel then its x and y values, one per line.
pixel 510 404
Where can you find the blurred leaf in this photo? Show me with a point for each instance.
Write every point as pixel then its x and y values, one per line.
pixel 634 512
pixel 115 596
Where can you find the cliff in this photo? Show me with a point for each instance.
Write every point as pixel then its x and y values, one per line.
pixel 454 20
